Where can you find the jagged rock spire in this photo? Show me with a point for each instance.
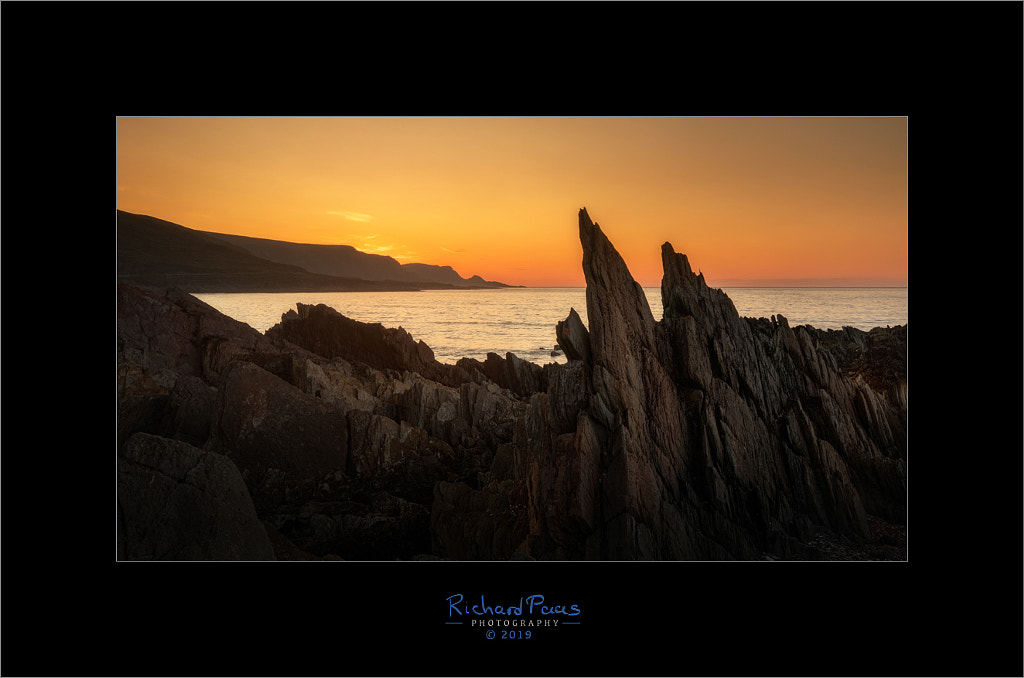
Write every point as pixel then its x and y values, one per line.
pixel 684 293
pixel 616 304
pixel 701 436
pixel 703 418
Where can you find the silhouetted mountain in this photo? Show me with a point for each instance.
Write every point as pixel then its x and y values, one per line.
pixel 347 261
pixel 153 252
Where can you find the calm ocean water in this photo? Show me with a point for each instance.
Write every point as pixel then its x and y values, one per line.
pixel 473 323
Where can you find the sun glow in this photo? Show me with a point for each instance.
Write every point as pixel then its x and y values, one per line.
pixel 744 198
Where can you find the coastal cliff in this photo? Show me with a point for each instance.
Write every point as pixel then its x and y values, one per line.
pixel 159 254
pixel 702 436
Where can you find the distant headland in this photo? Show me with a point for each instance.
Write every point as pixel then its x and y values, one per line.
pixel 704 435
pixel 152 252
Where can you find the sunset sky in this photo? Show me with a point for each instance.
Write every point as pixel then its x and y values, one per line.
pixel 751 200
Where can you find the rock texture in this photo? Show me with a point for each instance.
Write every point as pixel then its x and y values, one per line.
pixel 700 436
pixel 177 502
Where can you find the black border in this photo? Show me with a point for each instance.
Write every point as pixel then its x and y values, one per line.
pixel 939 614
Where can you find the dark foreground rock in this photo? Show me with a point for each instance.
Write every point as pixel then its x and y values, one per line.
pixel 701 436
pixel 177 502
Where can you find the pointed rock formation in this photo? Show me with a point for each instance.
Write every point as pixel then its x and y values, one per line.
pixel 704 435
pixel 573 337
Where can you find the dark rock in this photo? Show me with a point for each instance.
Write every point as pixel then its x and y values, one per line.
pixel 289 445
pixel 573 337
pixel 177 502
pixel 177 332
pixel 522 377
pixel 394 456
pixel 704 435
pixel 309 431
pixel 385 527
pixel 470 524
pixel 284 549
pixel 327 333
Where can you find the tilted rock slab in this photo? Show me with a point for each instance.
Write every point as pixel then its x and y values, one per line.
pixel 339 445
pixel 177 502
pixel 700 436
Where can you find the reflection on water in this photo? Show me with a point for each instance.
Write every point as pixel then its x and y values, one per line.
pixel 473 323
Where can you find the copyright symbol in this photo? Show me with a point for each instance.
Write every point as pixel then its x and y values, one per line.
pixel 490 634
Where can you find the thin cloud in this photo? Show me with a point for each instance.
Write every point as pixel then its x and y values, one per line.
pixel 390 250
pixel 352 216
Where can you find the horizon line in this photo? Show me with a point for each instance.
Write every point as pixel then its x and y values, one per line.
pixel 583 287
pixel 726 282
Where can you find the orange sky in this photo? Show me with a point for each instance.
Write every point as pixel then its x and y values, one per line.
pixel 745 198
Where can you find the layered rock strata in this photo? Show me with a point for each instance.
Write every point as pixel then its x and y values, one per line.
pixel 700 436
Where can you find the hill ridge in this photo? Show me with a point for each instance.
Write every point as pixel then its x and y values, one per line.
pixel 348 261
pixel 154 252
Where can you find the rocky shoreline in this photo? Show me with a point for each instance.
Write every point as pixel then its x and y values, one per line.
pixel 703 436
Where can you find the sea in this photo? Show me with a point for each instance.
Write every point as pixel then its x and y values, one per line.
pixel 473 323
